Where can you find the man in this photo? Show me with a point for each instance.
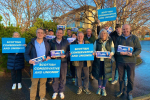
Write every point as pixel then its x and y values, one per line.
pixel 69 33
pixel 82 66
pixel 36 48
pixel 114 35
pixel 127 60
pixel 50 32
pixel 91 38
pixel 46 31
pixel 60 43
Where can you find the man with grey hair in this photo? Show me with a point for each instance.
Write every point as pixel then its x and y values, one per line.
pixel 91 38
pixel 82 66
pixel 127 60
pixel 59 43
pixel 36 48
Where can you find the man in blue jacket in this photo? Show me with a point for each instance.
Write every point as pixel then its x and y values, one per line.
pixel 36 48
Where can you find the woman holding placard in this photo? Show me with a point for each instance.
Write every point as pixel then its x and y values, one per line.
pixel 102 63
pixel 15 63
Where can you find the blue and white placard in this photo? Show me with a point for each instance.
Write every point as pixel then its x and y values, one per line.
pixel 50 36
pixel 57 53
pixel 102 54
pixel 39 59
pixel 70 40
pixel 13 45
pixel 74 29
pixel 122 48
pixel 61 26
pixel 47 69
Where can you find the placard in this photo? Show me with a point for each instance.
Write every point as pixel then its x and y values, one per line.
pixel 39 59
pixel 108 14
pixel 109 30
pixel 70 40
pixel 57 53
pixel 102 54
pixel 122 48
pixel 47 69
pixel 61 26
pixel 13 45
pixel 74 29
pixel 81 52
pixel 50 36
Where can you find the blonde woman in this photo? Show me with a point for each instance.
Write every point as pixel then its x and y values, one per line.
pixel 102 66
pixel 15 63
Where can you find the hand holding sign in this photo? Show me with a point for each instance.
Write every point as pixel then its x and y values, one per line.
pixel 31 62
pixel 129 54
pixel 63 56
pixel 48 58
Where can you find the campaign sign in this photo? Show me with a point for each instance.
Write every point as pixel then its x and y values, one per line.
pixel 108 14
pixel 39 59
pixel 74 29
pixel 81 52
pixel 122 48
pixel 61 26
pixel 13 45
pixel 50 36
pixel 70 40
pixel 102 54
pixel 109 30
pixel 47 69
pixel 57 53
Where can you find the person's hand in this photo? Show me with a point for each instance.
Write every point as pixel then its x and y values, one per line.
pixel 48 58
pixel 31 62
pixel 25 45
pixel 53 57
pixel 63 56
pixel 70 54
pixel 129 54
pixel 110 56
pixel 123 53
pixel 94 53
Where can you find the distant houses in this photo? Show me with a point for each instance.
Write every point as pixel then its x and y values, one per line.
pixel 147 35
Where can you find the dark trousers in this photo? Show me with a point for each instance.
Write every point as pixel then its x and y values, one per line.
pixel 86 75
pixel 72 70
pixel 130 67
pixel 60 87
pixel 16 75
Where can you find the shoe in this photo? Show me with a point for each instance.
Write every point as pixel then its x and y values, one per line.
pixel 119 94
pixel 87 91
pixel 125 83
pixel 91 77
pixel 19 86
pixel 98 91
pixel 79 91
pixel 130 97
pixel 62 96
pixel 43 98
pixel 14 86
pixel 114 82
pixel 73 79
pixel 30 87
pixel 104 92
pixel 54 96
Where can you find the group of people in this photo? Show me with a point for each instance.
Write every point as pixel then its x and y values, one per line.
pixel 100 68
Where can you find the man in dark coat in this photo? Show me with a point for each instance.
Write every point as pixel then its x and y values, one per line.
pixel 127 60
pixel 59 43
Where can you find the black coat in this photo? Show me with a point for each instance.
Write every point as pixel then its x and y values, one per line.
pixel 30 51
pixel 15 61
pixel 64 46
pixel 114 36
pixel 107 62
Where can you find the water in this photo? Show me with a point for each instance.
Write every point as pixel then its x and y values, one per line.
pixel 142 71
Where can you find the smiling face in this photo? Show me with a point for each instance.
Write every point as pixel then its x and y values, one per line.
pixel 126 30
pixel 88 32
pixel 59 34
pixel 16 35
pixel 119 31
pixel 69 32
pixel 40 34
pixel 103 35
pixel 80 37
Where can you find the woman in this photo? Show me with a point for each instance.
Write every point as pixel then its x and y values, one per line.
pixel 15 63
pixel 102 66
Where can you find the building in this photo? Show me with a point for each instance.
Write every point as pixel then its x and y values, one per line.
pixel 82 17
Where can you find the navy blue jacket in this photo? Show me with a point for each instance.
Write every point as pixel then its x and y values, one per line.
pixel 15 61
pixel 64 45
pixel 30 51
